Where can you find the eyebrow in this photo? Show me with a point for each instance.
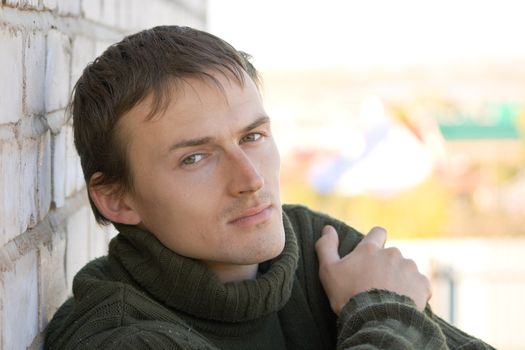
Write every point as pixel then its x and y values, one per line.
pixel 208 139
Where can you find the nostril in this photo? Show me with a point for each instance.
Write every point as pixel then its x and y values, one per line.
pixel 245 176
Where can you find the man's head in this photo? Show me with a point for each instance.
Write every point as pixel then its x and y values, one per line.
pixel 143 64
pixel 173 137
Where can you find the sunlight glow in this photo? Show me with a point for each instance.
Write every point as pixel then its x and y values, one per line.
pixel 295 34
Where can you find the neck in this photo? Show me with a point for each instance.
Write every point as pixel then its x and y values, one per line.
pixel 233 273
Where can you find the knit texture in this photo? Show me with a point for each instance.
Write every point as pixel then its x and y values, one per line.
pixel 171 278
pixel 144 296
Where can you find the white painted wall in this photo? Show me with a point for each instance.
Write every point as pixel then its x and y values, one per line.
pixel 47 231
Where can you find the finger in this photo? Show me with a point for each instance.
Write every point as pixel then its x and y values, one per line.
pixel 326 246
pixel 376 236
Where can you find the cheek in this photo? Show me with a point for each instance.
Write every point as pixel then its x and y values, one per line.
pixel 271 159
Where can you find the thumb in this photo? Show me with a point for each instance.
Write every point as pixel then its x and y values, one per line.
pixel 376 236
pixel 326 246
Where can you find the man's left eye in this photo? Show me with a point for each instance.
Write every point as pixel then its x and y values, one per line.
pixel 254 136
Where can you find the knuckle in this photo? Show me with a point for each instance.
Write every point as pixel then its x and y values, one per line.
pixel 393 253
pixel 425 279
pixel 426 283
pixel 411 264
pixel 367 248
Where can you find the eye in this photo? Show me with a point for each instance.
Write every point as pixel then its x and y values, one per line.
pixel 252 137
pixel 192 159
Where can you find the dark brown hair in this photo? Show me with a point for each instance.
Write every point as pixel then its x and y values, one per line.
pixel 127 72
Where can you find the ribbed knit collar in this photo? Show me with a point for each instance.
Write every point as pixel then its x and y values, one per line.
pixel 188 286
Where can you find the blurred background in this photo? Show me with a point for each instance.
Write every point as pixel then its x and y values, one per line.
pixel 409 115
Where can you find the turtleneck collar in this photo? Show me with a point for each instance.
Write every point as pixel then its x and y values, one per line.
pixel 188 286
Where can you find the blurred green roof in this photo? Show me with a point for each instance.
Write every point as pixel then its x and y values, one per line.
pixel 498 121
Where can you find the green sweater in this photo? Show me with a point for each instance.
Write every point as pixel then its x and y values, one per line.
pixel 144 296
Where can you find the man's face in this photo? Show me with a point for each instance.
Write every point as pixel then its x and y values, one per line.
pixel 206 173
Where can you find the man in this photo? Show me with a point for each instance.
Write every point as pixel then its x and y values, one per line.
pixel 177 152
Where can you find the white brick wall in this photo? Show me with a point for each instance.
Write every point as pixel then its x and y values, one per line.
pixel 28 168
pixel 83 52
pixel 47 230
pixel 9 191
pixel 44 174
pixel 77 243
pixel 20 306
pixel 53 291
pixel 34 60
pixel 11 73
pixel 57 70
pixel 59 168
pixel 92 10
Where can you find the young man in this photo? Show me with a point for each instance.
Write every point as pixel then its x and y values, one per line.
pixel 177 153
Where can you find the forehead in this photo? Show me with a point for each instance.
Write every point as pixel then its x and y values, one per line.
pixel 193 104
pixel 178 89
pixel 201 90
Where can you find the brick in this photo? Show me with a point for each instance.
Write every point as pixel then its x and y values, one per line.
pixel 35 171
pixel 197 7
pixel 44 174
pixel 77 246
pixel 50 4
pixel 68 7
pixel 91 9
pixel 56 120
pixel 83 52
pixel 53 286
pixel 30 4
pixel 164 12
pixel 9 190
pixel 11 73
pixel 13 2
pixel 111 232
pixel 145 19
pixel 101 46
pixel 58 142
pixel 7 132
pixel 190 12
pixel 80 183
pixel 75 7
pixel 28 174
pixel 20 314
pixel 132 15
pixel 35 57
pixel 110 10
pixel 30 131
pixel 123 15
pixel 72 161
pixel 57 71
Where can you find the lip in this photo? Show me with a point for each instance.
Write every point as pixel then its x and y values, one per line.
pixel 253 216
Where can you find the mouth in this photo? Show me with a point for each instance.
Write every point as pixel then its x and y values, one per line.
pixel 253 216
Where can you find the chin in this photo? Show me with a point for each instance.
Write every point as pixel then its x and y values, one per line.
pixel 274 249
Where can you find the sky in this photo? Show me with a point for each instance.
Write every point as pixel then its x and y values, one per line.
pixel 329 33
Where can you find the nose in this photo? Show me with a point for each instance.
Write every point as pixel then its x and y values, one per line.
pixel 244 176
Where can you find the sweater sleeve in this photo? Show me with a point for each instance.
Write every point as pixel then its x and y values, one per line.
pixel 118 317
pixel 380 319
pixel 144 335
pixel 376 319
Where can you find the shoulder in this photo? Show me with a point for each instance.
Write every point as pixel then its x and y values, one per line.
pixel 142 334
pixel 308 224
pixel 110 314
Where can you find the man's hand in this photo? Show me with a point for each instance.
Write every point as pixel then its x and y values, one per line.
pixel 368 266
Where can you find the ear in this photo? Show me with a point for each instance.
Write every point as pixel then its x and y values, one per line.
pixel 113 203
